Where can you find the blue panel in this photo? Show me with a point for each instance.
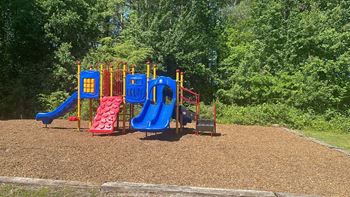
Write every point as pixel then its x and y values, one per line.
pixel 90 74
pixel 136 88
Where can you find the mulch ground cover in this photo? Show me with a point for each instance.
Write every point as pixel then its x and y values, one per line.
pixel 243 157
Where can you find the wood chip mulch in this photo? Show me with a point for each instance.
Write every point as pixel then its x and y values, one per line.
pixel 243 157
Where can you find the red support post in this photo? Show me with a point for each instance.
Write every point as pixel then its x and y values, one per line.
pixel 215 117
pixel 198 107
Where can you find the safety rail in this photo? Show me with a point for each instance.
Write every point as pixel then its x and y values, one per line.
pixel 191 101
pixel 187 100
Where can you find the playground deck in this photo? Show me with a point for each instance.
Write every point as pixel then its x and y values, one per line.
pixel 243 157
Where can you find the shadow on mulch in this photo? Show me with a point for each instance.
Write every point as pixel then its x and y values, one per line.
pixel 208 134
pixel 61 128
pixel 168 135
pixel 117 133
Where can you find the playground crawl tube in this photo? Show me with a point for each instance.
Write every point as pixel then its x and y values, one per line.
pixel 156 116
pixel 64 108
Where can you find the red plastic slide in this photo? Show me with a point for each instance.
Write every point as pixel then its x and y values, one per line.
pixel 107 114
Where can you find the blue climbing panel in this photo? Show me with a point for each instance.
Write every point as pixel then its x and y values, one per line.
pixel 89 84
pixel 136 88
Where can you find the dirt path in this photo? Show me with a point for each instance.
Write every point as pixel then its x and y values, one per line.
pixel 244 157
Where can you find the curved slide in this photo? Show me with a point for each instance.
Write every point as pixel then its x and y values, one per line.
pixel 64 108
pixel 156 117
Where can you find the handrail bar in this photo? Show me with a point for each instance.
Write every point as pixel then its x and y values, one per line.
pixel 190 91
pixel 189 100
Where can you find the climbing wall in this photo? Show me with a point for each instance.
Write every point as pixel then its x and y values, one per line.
pixel 107 114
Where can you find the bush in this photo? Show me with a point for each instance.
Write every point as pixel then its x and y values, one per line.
pixel 280 114
pixel 53 100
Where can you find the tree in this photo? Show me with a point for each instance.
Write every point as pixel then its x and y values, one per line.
pixel 75 27
pixel 39 43
pixel 294 52
pixel 23 52
pixel 181 34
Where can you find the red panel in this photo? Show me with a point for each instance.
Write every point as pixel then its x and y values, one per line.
pixel 118 83
pixel 106 82
pixel 106 115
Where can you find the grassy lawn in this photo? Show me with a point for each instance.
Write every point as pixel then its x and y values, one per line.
pixel 27 191
pixel 341 140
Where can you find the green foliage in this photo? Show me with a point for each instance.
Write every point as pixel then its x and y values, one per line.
pixel 23 55
pixel 279 114
pixel 65 18
pixel 62 79
pixel 110 51
pixel 264 114
pixel 65 68
pixel 180 34
pixel 85 109
pixel 291 52
pixel 206 111
pixel 39 43
pixel 53 100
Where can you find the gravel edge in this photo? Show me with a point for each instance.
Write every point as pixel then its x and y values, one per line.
pixel 142 189
pixel 183 190
pixel 299 133
pixel 45 182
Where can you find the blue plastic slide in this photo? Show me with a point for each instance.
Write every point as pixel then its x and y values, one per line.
pixel 156 116
pixel 64 108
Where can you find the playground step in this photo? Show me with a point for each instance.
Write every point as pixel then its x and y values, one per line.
pixel 205 125
pixel 106 115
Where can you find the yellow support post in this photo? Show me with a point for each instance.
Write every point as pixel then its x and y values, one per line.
pixel 147 75
pixel 132 72
pixel 181 98
pixel 154 77
pixel 124 101
pixel 177 101
pixel 111 80
pixel 181 85
pixel 132 106
pixel 133 69
pixel 90 106
pixel 118 81
pixel 101 82
pixel 78 108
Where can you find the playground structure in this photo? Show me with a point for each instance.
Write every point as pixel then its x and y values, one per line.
pixel 118 89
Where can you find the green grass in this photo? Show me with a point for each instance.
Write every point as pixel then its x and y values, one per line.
pixel 10 190
pixel 341 140
pixel 27 191
pixel 331 126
